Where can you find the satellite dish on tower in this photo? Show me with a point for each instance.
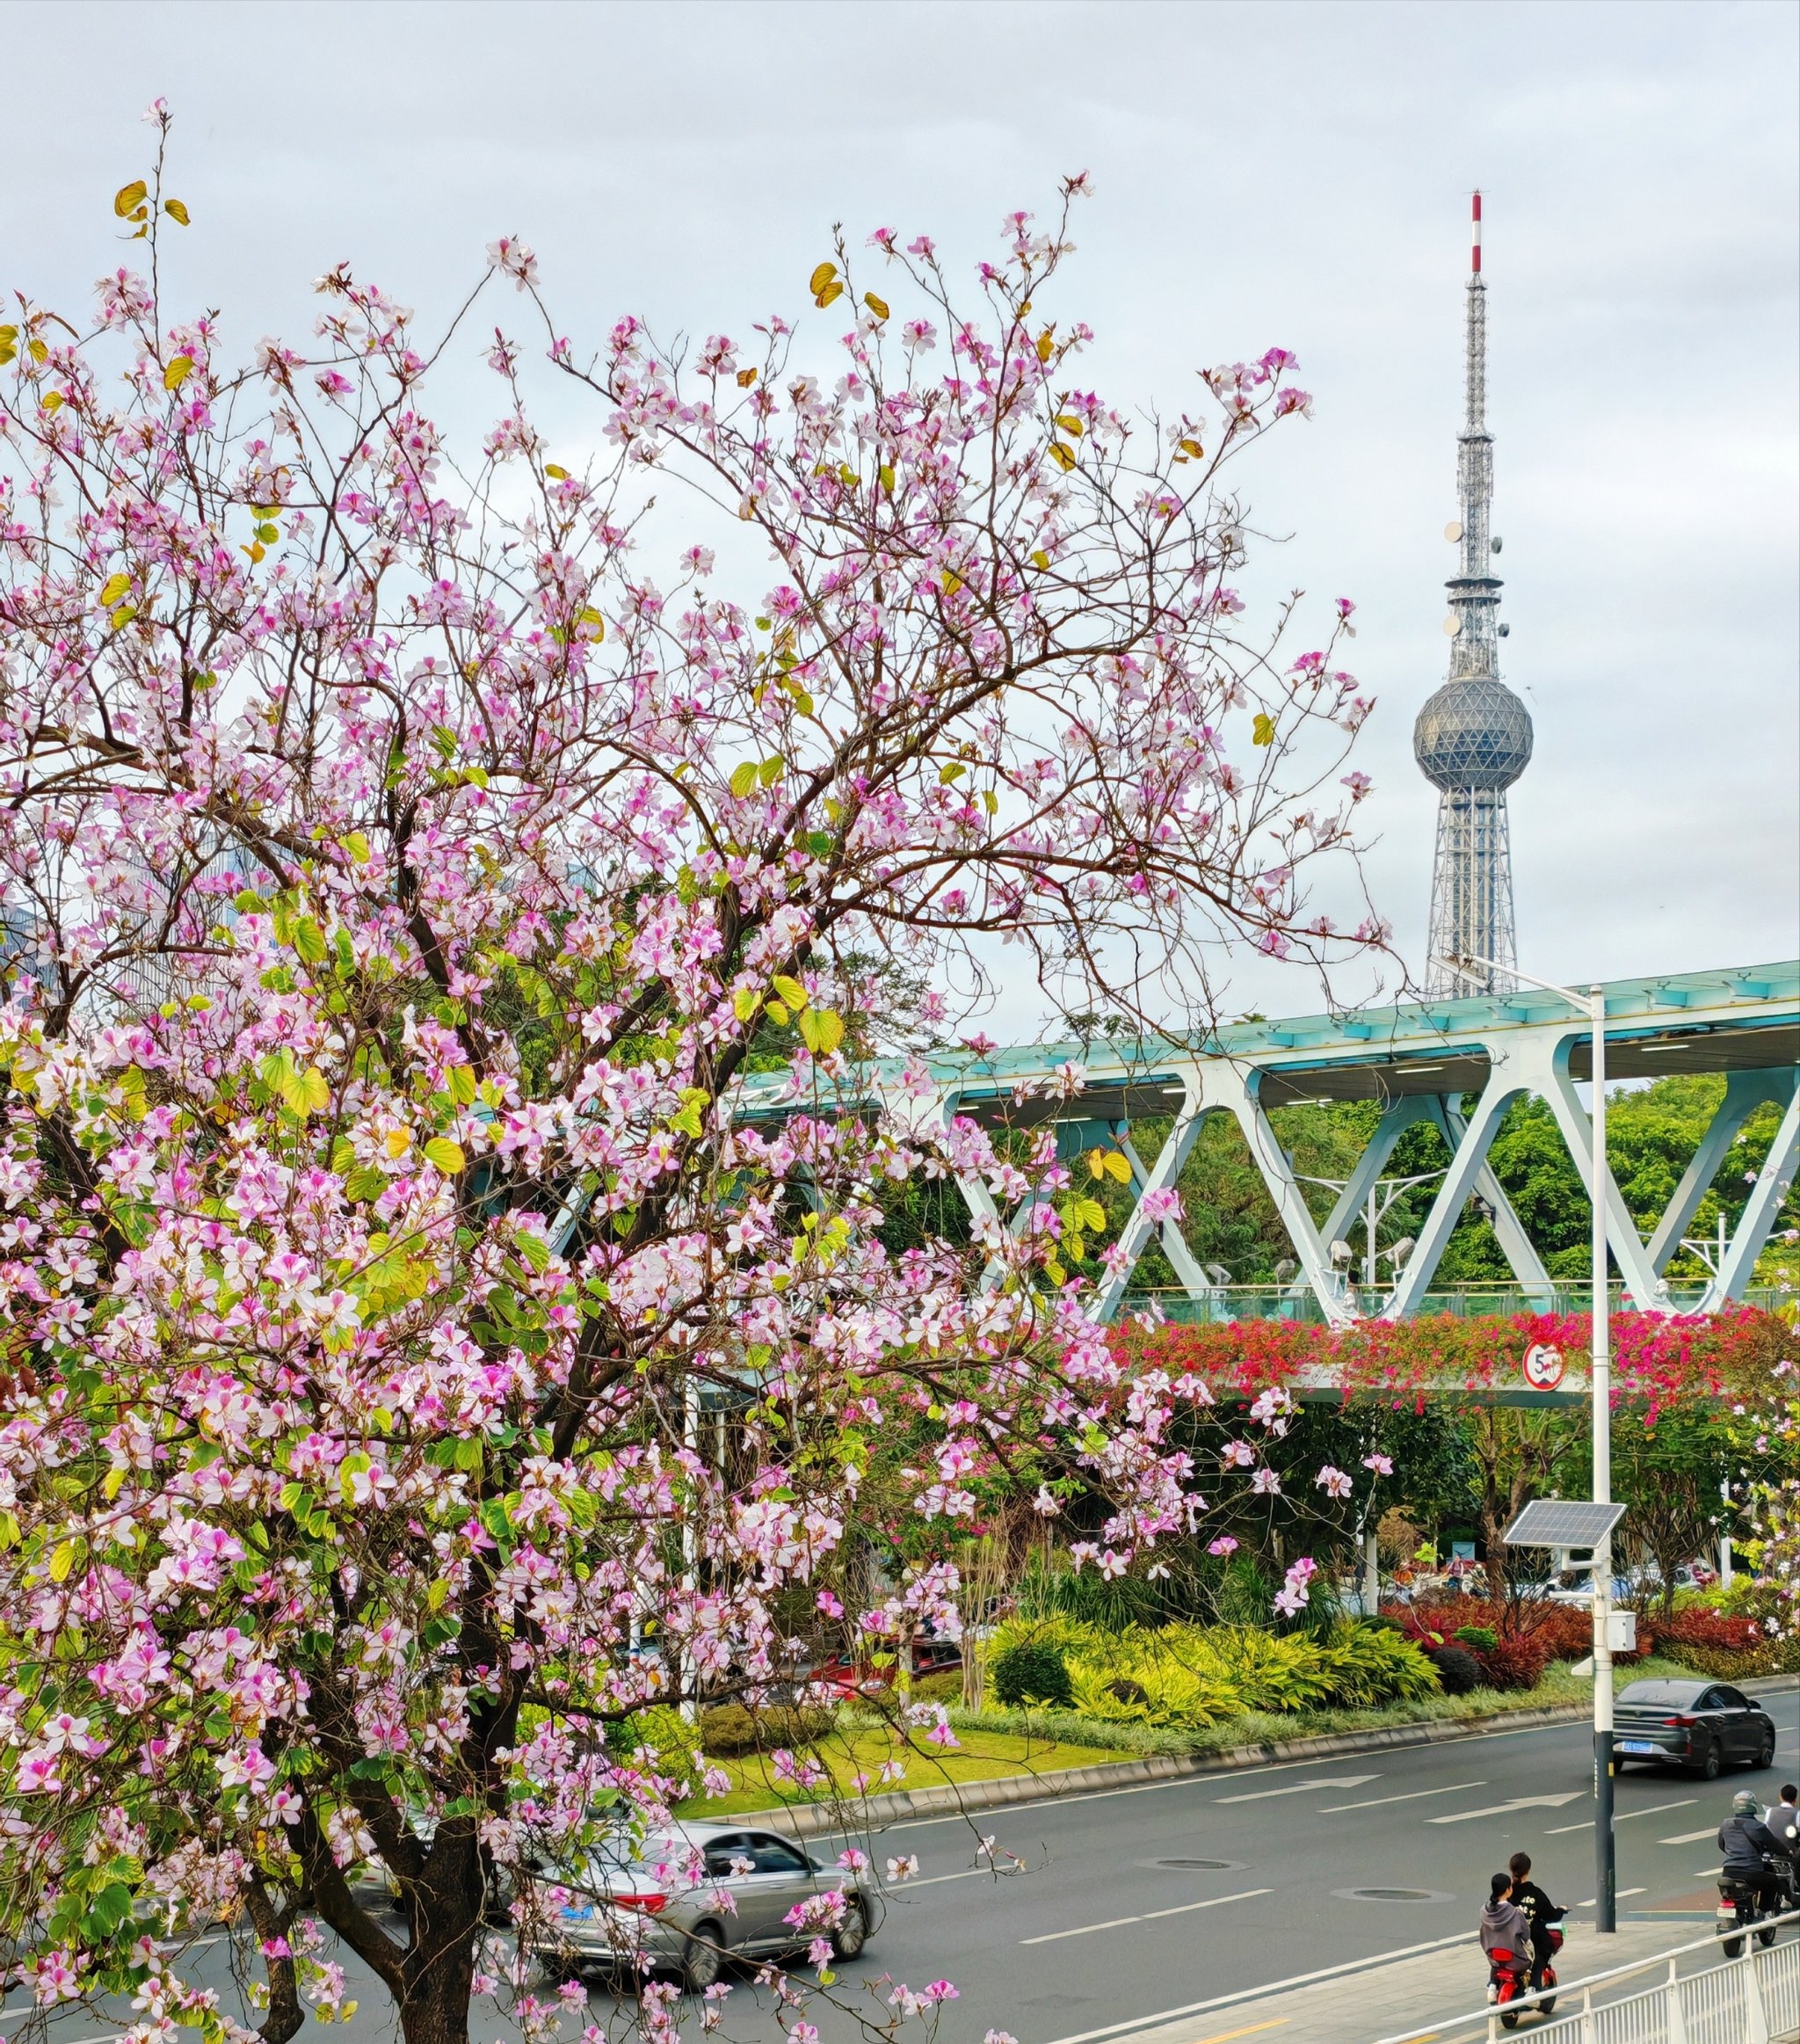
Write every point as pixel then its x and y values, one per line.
pixel 1452 624
pixel 1453 532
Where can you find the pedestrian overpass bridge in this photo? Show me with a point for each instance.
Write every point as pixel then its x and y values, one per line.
pixel 1420 1061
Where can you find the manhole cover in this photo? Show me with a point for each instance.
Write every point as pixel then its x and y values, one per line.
pixel 1209 1865
pixel 1393 1894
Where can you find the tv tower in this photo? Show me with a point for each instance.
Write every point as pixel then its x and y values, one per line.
pixel 1473 736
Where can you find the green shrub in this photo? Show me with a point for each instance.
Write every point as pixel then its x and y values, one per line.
pixel 942 1686
pixel 1456 1669
pixel 1483 1639
pixel 665 1739
pixel 1032 1671
pixel 729 1731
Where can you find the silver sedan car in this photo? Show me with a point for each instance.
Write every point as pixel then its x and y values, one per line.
pixel 638 1906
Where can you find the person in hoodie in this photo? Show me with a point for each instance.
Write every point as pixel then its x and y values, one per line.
pixel 1504 1927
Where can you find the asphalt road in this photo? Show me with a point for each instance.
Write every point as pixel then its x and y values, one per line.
pixel 1135 1905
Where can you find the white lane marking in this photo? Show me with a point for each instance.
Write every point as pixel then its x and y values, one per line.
pixel 1246 1994
pixel 1623 1893
pixel 1258 1796
pixel 1148 1917
pixel 1100 1795
pixel 967 1874
pixel 1690 1837
pixel 1625 1817
pixel 1519 1802
pixel 1412 1796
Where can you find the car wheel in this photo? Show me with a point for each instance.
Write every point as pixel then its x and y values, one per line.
pixel 701 1958
pixel 850 1937
pixel 1766 1752
pixel 1708 1765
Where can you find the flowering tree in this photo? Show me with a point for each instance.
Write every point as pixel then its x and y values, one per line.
pixel 400 885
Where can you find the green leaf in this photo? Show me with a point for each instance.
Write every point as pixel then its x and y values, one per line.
pixel 821 1030
pixel 770 770
pixel 446 1154
pixel 744 1003
pixel 459 1082
pixel 309 941
pixel 180 368
pixel 1263 731
pixel 791 991
pixel 113 589
pixel 744 779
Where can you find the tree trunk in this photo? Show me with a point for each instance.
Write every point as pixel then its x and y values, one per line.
pixel 434 2001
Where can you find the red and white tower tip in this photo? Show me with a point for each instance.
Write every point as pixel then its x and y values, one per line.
pixel 1475 238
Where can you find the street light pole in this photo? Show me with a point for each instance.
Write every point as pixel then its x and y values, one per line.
pixel 1600 1387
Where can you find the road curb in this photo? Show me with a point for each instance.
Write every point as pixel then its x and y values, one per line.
pixel 808 1820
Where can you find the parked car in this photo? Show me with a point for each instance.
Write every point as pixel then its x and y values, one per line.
pixel 1701 1725
pixel 638 1902
pixel 850 1681
pixel 1575 1586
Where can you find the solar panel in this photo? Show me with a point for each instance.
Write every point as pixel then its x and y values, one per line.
pixel 1562 1521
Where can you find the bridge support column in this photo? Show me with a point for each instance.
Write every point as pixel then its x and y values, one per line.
pixel 1509 1231
pixel 1552 1081
pixel 1266 1152
pixel 1467 1162
pixel 1758 1219
pixel 1133 1237
pixel 1745 1092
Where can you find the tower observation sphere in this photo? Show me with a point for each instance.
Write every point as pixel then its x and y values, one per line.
pixel 1473 736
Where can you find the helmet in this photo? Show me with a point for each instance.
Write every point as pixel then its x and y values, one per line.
pixel 1744 1804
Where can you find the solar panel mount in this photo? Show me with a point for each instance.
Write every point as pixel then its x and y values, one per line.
pixel 1562 1521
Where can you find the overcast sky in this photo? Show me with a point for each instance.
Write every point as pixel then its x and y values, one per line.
pixel 1285 173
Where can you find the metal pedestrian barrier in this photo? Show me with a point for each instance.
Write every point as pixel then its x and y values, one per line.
pixel 1754 1999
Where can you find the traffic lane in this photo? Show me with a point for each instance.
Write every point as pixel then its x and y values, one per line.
pixel 1098 1861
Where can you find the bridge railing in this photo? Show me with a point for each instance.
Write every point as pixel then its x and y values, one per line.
pixel 1273 1302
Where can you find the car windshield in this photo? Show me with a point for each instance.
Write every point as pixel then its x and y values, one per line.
pixel 1660 1693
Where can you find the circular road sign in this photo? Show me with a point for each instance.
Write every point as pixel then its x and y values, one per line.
pixel 1543 1366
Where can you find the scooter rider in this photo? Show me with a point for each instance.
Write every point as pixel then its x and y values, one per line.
pixel 1748 1846
pixel 1540 1912
pixel 1503 1929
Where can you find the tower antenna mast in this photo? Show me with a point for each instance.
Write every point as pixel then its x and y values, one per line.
pixel 1473 738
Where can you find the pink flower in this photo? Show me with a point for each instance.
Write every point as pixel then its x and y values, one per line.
pixel 1223 1545
pixel 511 257
pixel 1333 1482
pixel 1382 1464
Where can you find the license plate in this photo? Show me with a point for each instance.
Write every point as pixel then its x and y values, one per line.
pixel 1635 1746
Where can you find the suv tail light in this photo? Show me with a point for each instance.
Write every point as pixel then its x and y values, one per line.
pixel 1681 1721
pixel 651 1904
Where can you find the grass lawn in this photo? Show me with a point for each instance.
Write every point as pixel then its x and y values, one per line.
pixel 980 1755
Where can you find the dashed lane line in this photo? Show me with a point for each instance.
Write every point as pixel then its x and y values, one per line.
pixel 1147 1916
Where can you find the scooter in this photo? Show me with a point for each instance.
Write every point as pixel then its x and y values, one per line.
pixel 1509 1980
pixel 1740 1911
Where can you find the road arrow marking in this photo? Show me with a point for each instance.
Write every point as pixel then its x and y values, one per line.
pixel 1520 1802
pixel 1301 1788
pixel 1412 1796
